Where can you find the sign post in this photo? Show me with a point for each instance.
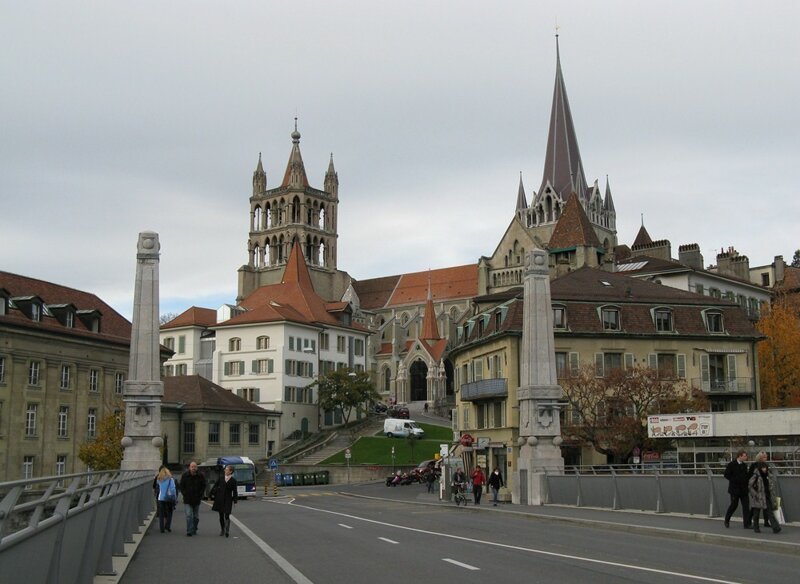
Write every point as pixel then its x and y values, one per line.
pixel 347 456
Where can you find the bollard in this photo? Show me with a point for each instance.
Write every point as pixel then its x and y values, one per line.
pixel 266 489
pixel 275 489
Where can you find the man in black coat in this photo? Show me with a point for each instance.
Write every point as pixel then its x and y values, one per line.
pixel 193 487
pixel 738 475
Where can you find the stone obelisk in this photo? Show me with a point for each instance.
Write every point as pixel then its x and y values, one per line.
pixel 143 391
pixel 539 395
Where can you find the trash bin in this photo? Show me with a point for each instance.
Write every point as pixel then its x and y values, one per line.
pixel 279 479
pixel 298 479
pixel 288 479
pixel 309 479
pixel 322 477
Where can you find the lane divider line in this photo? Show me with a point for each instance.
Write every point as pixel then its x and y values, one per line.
pixel 387 540
pixel 282 562
pixel 460 564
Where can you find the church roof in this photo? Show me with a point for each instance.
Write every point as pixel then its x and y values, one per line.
pixel 194 316
pixel 430 330
pixel 445 284
pixel 573 228
pixel 563 168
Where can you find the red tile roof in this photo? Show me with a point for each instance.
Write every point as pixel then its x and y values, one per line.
pixel 194 316
pixel 113 326
pixel 446 284
pixel 573 228
pixel 199 393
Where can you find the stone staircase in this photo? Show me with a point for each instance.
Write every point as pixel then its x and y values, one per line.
pixel 343 439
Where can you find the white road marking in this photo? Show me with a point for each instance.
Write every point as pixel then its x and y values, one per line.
pixel 283 564
pixel 461 564
pixel 524 549
pixel 345 526
pixel 388 540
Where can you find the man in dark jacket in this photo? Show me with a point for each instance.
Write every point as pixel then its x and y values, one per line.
pixel 738 474
pixel 193 487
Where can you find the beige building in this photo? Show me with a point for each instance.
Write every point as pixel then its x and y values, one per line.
pixel 64 357
pixel 201 420
pixel 609 321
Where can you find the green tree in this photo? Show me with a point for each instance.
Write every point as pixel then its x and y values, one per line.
pixel 345 390
pixel 610 412
pixel 105 451
pixel 796 259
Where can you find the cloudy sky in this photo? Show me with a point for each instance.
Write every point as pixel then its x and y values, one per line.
pixel 117 118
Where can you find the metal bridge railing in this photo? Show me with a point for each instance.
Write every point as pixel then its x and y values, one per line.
pixel 68 528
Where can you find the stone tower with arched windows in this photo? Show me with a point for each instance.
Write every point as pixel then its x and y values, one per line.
pixel 293 212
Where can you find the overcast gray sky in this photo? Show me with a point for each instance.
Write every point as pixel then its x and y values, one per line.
pixel 117 118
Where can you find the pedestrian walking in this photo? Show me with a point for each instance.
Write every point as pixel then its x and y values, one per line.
pixel 760 457
pixel 495 482
pixel 430 478
pixel 478 480
pixel 737 474
pixel 226 495
pixel 761 498
pixel 193 488
pixel 167 497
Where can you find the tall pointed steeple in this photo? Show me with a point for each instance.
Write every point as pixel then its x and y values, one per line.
pixel 522 202
pixel 295 171
pixel 608 202
pixel 562 165
pixel 331 179
pixel 430 331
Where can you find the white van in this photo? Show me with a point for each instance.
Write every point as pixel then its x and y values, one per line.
pixel 402 428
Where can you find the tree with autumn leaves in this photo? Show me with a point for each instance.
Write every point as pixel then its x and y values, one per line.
pixel 779 353
pixel 610 412
pixel 105 451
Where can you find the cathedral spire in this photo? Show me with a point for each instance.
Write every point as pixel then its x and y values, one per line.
pixel 430 331
pixel 331 179
pixel 295 171
pixel 522 202
pixel 608 202
pixel 562 165
pixel 259 178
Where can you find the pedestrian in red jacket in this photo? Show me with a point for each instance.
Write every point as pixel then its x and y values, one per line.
pixel 478 480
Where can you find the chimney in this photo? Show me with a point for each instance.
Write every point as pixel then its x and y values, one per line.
pixel 780 269
pixel 690 255
pixel 732 263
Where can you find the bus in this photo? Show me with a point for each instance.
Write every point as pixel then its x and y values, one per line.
pixel 244 471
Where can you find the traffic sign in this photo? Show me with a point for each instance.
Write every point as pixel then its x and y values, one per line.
pixel 347 453
pixel 273 464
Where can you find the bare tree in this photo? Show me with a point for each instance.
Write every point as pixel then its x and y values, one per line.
pixel 166 317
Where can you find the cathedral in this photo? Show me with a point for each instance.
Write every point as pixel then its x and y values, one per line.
pixel 413 317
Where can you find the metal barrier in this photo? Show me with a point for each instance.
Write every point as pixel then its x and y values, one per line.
pixel 695 490
pixel 67 528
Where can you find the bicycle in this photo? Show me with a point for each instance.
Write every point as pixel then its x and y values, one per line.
pixel 459 494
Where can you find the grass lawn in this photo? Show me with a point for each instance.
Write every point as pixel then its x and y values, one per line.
pixel 378 449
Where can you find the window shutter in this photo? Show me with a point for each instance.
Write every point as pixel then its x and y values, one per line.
pixel 239 392
pixel 254 366
pixel 256 394
pixel 731 367
pixel 270 366
pixel 226 368
pixel 628 360
pixel 311 370
pixel 681 365
pixel 288 367
pixel 652 361
pixel 574 363
pixel 598 365
pixel 705 375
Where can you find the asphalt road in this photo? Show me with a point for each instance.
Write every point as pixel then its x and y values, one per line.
pixel 320 535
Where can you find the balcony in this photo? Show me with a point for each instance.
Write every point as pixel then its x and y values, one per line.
pixel 731 385
pixel 486 388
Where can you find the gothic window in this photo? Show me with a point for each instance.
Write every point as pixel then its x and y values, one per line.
pixel 296 210
pixel 257 219
pixel 321 223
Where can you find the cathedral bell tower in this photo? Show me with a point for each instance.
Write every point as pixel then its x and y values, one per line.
pixel 292 212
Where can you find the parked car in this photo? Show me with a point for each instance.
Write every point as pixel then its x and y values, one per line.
pixel 398 412
pixel 380 408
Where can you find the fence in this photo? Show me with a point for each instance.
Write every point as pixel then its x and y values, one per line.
pixel 692 489
pixel 68 528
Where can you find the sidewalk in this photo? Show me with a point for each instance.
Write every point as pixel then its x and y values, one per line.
pixel 686 527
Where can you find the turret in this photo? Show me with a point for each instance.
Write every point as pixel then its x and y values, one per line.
pixel 259 179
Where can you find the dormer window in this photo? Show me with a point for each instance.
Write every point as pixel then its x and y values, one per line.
pixel 714 322
pixel 69 319
pixel 36 312
pixel 663 320
pixel 90 319
pixel 610 318
pixel 559 317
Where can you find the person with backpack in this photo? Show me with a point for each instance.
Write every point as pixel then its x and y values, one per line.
pixel 167 497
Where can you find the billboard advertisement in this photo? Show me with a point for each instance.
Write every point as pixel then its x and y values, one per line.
pixel 680 426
